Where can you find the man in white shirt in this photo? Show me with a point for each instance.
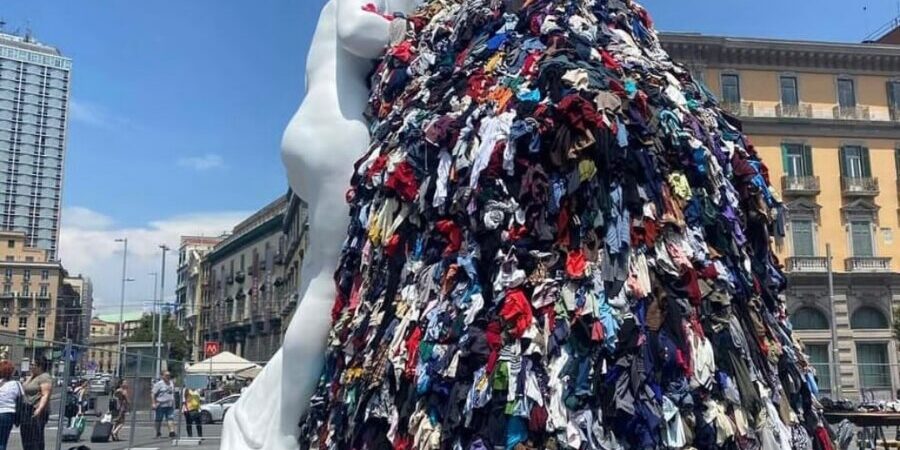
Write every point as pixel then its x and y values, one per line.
pixel 163 401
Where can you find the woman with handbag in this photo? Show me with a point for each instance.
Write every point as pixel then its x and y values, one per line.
pixel 10 398
pixel 37 388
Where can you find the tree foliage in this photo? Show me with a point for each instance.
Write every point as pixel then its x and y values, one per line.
pixel 173 339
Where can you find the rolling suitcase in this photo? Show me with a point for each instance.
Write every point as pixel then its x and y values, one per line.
pixel 102 432
pixel 71 434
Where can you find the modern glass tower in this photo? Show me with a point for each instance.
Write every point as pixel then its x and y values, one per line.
pixel 34 103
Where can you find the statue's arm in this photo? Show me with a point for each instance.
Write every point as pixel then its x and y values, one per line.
pixel 363 33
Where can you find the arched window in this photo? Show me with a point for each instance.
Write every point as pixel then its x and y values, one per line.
pixel 809 319
pixel 868 318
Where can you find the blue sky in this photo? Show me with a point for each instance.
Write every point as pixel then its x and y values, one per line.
pixel 178 107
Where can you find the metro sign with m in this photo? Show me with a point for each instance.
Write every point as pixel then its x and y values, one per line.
pixel 211 348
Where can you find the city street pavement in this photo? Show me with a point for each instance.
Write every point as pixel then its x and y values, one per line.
pixel 144 438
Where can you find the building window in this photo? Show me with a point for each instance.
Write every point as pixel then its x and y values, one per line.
pixel 854 162
pixel 731 88
pixel 861 239
pixel 894 99
pixel 797 159
pixel 789 94
pixel 802 238
pixel 11 244
pixel 809 319
pixel 819 360
pixel 874 367
pixel 897 162
pixel 44 290
pixel 26 274
pixel 9 273
pixel 29 259
pixel 23 322
pixel 868 318
pixel 4 322
pixel 45 274
pixel 7 289
pixel 26 290
pixel 846 93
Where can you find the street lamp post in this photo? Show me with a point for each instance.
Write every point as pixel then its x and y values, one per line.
pixel 124 241
pixel 155 276
pixel 162 296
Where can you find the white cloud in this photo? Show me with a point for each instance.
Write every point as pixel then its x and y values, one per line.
pixel 79 217
pixel 95 115
pixel 87 246
pixel 202 163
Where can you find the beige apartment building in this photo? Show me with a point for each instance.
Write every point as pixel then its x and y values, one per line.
pixel 29 294
pixel 102 353
pixel 825 118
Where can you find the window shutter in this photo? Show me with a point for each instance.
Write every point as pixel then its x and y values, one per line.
pixel 842 159
pixel 892 94
pixel 802 238
pixel 861 235
pixel 785 164
pixel 808 161
pixel 866 166
pixel 897 162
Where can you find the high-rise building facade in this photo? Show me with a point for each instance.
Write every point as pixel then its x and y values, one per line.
pixel 825 118
pixel 34 102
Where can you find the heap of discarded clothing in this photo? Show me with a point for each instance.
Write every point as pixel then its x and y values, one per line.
pixel 558 240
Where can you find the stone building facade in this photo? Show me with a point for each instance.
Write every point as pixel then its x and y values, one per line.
pixel 825 117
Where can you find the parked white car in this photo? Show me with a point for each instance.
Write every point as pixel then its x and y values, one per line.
pixel 215 411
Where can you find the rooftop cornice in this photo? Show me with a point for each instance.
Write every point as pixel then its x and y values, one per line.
pixel 780 54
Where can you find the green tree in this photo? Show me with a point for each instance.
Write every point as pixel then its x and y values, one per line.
pixel 172 338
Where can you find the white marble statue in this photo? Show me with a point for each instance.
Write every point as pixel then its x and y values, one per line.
pixel 321 143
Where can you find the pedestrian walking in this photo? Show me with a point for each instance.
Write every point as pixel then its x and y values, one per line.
pixel 120 404
pixel 163 401
pixel 37 389
pixel 10 396
pixel 190 406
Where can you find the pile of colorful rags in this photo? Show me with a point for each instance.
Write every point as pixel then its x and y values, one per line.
pixel 558 241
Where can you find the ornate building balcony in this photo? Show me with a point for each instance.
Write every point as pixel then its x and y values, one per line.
pixel 802 110
pixel 743 109
pixel 852 113
pixel 860 264
pixel 807 264
pixel 859 186
pixel 800 185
